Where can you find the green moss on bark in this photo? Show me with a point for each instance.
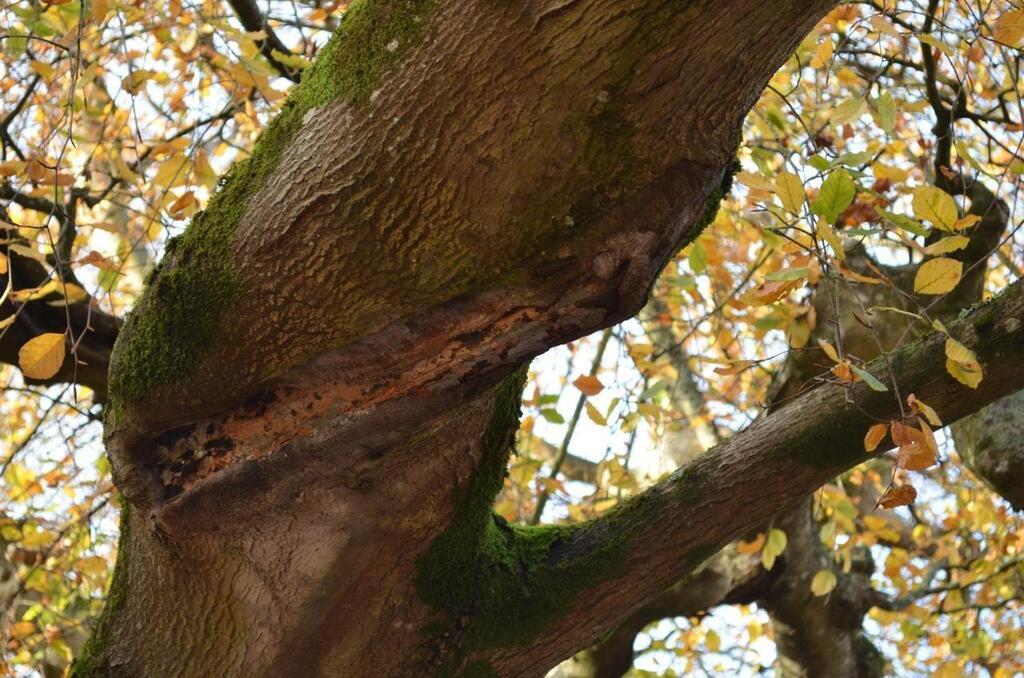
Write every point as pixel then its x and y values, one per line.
pixel 500 585
pixel 92 661
pixel 180 313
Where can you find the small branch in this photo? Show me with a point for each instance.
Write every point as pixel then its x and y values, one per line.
pixel 253 21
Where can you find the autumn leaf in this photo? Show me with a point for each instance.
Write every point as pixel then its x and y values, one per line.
pixel 823 583
pixel 183 206
pixel 750 547
pixel 41 357
pixel 874 437
pixel 947 245
pixel 772 291
pixel 734 368
pixel 829 350
pixel 790 189
pixel 99 261
pixel 936 206
pixel 884 111
pixel 588 384
pixel 919 407
pixel 962 364
pixel 847 111
pixel 1010 27
pixel 898 496
pixel 966 222
pixel 595 415
pixel 3 263
pixel 775 544
pixel 917 447
pixel 938 276
pixel 843 372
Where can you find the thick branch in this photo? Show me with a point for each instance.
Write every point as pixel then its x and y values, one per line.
pixel 772 464
pixel 91 330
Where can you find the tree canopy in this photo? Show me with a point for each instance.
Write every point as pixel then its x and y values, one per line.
pixel 853 290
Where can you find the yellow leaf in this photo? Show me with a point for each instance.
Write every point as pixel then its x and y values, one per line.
pixel 735 367
pixel 100 9
pixel 790 190
pixel 882 25
pixel 962 364
pixel 823 583
pixel 829 350
pixel 874 436
pixel 947 245
pixel 172 172
pixel 713 641
pixel 41 357
pixel 935 205
pixel 589 385
pixel 134 81
pixel 3 263
pixel 1010 27
pixel 847 111
pixel 966 222
pixel 777 540
pixel 22 629
pixel 919 407
pixel 823 54
pixel 938 276
pixel 828 234
pixel 183 206
pixel 595 415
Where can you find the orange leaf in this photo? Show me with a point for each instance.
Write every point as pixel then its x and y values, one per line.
pixel 875 435
pixel 918 449
pixel 750 547
pixel 589 385
pixel 898 496
pixel 843 372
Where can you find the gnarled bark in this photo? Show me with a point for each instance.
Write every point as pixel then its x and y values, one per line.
pixel 311 456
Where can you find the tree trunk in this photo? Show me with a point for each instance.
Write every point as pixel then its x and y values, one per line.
pixel 312 405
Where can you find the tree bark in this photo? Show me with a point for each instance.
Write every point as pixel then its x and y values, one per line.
pixel 311 406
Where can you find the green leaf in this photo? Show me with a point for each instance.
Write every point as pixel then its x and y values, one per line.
pixel 873 383
pixel 823 583
pixel 553 416
pixel 884 111
pixel 836 194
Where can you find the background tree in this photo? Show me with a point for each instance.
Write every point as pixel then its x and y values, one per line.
pixel 305 397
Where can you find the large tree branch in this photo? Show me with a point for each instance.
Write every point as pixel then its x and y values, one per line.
pixel 745 481
pixel 91 332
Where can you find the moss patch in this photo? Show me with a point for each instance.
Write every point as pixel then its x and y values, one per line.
pixel 179 315
pixel 93 662
pixel 499 584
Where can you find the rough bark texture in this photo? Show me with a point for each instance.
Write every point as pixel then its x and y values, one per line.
pixel 305 418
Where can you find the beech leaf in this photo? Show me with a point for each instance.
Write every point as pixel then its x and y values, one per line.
pixel 41 357
pixel 938 276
